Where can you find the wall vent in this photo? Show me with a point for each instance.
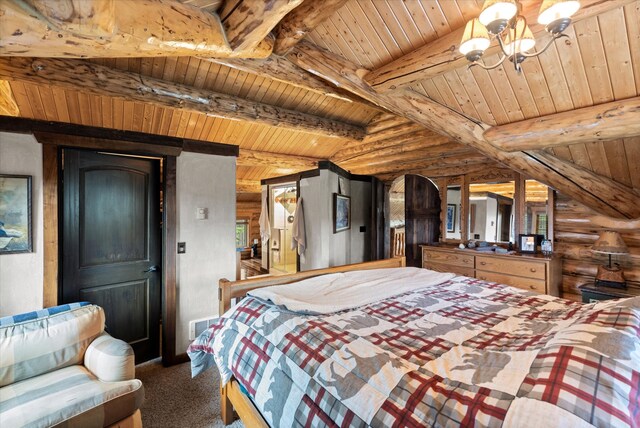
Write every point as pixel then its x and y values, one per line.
pixel 198 326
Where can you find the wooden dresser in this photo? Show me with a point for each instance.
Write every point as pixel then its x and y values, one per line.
pixel 529 272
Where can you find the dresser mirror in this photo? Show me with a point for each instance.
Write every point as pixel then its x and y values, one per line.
pixel 535 209
pixel 452 216
pixel 492 212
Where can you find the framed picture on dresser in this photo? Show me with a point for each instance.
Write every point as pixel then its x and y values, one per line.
pixel 527 243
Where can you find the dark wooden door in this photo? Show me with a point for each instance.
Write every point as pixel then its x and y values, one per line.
pixel 111 245
pixel 421 216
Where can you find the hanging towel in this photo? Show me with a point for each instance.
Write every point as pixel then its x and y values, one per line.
pixel 265 226
pixel 298 237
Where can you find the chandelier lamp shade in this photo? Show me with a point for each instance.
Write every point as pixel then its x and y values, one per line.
pixel 503 20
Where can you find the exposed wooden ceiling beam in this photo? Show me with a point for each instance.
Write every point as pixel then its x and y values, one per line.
pixel 405 152
pixel 252 20
pixel 409 164
pixel 442 55
pixel 301 21
pixel 248 186
pixel 8 106
pixel 412 141
pixel 279 69
pixel 598 192
pixel 393 131
pixel 437 171
pixel 101 80
pixel 276 160
pixel 617 119
pixel 384 121
pixel 114 28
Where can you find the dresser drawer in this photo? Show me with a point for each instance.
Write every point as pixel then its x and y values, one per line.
pixel 529 284
pixel 450 258
pixel 441 267
pixel 524 268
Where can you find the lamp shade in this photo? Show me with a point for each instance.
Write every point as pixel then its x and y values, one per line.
pixel 475 38
pixel 552 10
pixel 519 39
pixel 610 242
pixel 496 13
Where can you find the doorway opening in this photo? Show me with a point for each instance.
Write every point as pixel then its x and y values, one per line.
pixel 283 200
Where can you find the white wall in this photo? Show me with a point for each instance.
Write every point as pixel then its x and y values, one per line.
pixel 325 248
pixel 203 181
pixel 21 275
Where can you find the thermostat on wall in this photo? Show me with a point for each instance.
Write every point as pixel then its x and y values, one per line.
pixel 202 213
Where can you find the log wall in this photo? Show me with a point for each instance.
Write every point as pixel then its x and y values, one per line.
pixel 574 235
pixel 250 211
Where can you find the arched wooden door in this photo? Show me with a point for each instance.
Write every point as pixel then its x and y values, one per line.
pixel 422 216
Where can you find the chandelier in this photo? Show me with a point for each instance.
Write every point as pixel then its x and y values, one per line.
pixel 503 20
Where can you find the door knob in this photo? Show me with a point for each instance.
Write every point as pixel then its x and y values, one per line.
pixel 152 269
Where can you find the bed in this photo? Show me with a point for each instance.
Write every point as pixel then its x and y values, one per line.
pixel 413 347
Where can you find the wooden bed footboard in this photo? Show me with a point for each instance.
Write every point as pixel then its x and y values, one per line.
pixel 231 397
pixel 228 290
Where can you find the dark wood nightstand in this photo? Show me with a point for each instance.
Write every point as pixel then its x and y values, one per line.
pixel 591 293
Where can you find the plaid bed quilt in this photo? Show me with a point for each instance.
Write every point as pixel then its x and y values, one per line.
pixel 463 353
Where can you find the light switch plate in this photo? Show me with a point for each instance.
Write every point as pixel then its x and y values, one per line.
pixel 182 247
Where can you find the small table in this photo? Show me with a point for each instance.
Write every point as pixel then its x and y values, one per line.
pixel 592 293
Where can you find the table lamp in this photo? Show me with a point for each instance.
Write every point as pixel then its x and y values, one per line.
pixel 610 242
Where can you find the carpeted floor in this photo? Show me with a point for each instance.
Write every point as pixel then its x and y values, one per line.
pixel 173 399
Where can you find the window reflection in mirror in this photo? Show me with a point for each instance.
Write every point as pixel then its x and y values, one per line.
pixel 535 221
pixel 452 217
pixel 491 212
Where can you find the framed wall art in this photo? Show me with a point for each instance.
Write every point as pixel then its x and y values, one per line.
pixel 16 235
pixel 451 218
pixel 341 213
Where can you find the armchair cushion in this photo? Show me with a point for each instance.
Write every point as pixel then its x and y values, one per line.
pixel 110 359
pixel 39 342
pixel 69 397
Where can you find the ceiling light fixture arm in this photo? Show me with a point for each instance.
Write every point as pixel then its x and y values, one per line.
pixel 503 20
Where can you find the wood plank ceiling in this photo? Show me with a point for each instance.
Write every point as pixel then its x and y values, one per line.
pixel 598 63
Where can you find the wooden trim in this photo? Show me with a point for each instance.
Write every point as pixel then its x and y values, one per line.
pixel 208 148
pixel 444 190
pixel 290 178
pixel 169 268
pixel 101 144
pixel 466 209
pixel 228 290
pixel 50 173
pixel 551 214
pixel 172 146
pixel 520 201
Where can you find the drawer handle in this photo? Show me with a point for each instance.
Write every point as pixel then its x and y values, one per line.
pixel 483 278
pixel 533 287
pixel 532 269
pixel 465 260
pixel 483 263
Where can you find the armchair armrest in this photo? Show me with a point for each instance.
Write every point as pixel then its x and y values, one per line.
pixel 110 359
